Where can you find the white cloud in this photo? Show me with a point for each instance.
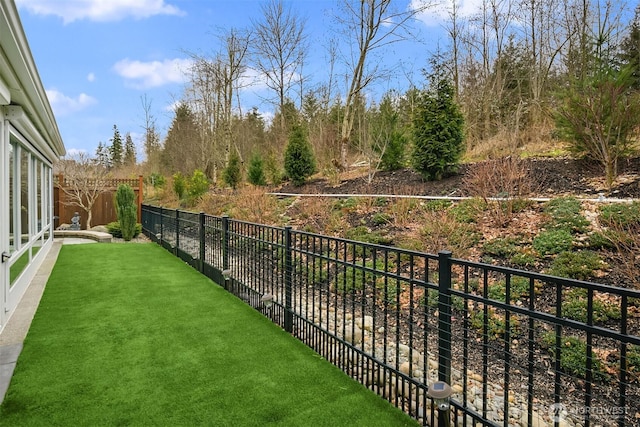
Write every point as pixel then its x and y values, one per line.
pixel 99 10
pixel 91 77
pixel 438 13
pixel 145 75
pixel 63 105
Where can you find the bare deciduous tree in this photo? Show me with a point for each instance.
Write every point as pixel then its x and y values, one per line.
pixel 368 25
pixel 214 82
pixel 279 49
pixel 151 136
pixel 84 180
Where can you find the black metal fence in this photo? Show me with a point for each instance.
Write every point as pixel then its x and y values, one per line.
pixel 517 348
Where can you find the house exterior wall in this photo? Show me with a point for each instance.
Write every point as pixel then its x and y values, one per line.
pixel 29 145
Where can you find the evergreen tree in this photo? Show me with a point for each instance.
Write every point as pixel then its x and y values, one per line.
pixel 256 170
pixel 116 149
pixel 437 130
pixel 299 161
pixel 103 158
pixel 630 50
pixel 129 151
pixel 127 210
pixel 232 173
pixel 599 116
pixel 180 153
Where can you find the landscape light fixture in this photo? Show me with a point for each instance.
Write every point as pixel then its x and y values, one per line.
pixel 227 278
pixel 440 392
pixel 267 300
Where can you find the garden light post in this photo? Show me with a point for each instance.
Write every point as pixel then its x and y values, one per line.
pixel 440 392
pixel 267 301
pixel 227 278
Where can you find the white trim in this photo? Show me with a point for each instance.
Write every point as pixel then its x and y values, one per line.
pixel 5 94
pixel 4 217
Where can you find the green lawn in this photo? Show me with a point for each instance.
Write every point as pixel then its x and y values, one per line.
pixel 126 334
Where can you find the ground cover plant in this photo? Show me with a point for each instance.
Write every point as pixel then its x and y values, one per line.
pixel 126 334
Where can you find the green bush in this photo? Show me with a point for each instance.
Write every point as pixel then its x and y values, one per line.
pixel 501 247
pixel 604 239
pixel 436 205
pixel 622 215
pixel 114 229
pixel 633 357
pixel 354 279
pixel 573 356
pixel 156 180
pixel 198 185
pixel 381 219
pixel 393 157
pixel 127 210
pixel 523 258
pixel 273 171
pixel 256 174
pixel 232 174
pixel 496 324
pixel 299 161
pixel 518 289
pixel 566 213
pixel 438 130
pixel 575 306
pixel 554 241
pixel 346 205
pixel 575 265
pixel 467 210
pixel 179 185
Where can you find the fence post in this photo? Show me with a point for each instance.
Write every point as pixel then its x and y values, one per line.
pixel 225 242
pixel 175 250
pixel 288 280
pixel 202 242
pixel 444 316
pixel 161 226
pixel 140 196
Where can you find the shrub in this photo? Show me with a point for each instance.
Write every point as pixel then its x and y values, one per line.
pixel 381 219
pixel 436 205
pixel 496 324
pixel 256 171
pixel 507 178
pixel 198 185
pixel 273 171
pixel 575 265
pixel 573 355
pixel 524 258
pixel 356 279
pixel 518 288
pixel 551 242
pixel 156 180
pixel 565 212
pixel 437 128
pixel 501 247
pixel 467 210
pixel 127 210
pixel 115 231
pixel 179 185
pixel 299 161
pixel 621 215
pixel 232 174
pixel 394 155
pixel 575 306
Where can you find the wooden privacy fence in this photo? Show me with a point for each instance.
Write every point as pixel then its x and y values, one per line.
pixel 104 209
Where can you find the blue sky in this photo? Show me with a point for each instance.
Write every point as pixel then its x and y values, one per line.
pixel 97 58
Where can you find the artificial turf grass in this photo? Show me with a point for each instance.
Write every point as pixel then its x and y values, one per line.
pixel 126 334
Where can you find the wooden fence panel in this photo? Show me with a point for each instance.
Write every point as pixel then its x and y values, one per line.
pixel 104 210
